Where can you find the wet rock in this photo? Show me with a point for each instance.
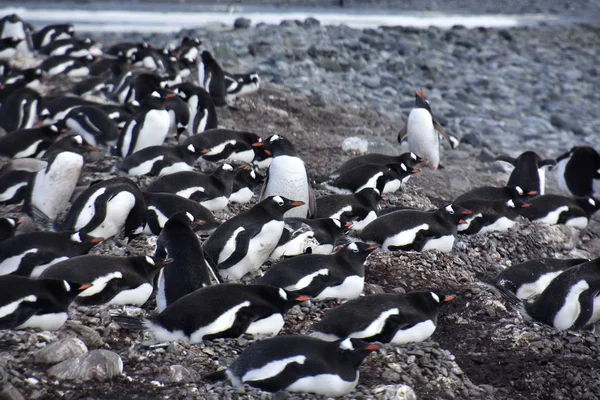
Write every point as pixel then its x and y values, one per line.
pixel 60 351
pixel 242 23
pixel 97 364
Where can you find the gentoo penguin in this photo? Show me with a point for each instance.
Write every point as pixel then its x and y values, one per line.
pixel 311 236
pixel 114 280
pixel 143 85
pixel 323 276
pixel 552 209
pixel 219 311
pixel 360 208
pixel 243 243
pixel 67 65
pixel 188 270
pixel 50 189
pixel 16 79
pixel 149 126
pixel 89 87
pixel 410 160
pixel 179 115
pixel 118 87
pixel 93 124
pixel 212 78
pixel 160 160
pixel 32 142
pixel 576 171
pixel 29 254
pixel 386 318
pixel 529 279
pixel 225 144
pixel 8 47
pixel 72 47
pixel 570 301
pixel 126 49
pixel 391 176
pixel 5 68
pixel 148 58
pixel 57 109
pixel 241 84
pixel 8 227
pixel 13 26
pixel 35 303
pixel 422 130
pixel 245 182
pixel 287 176
pixel 188 53
pixel 489 215
pixel 416 230
pixel 50 33
pixel 212 191
pixel 161 206
pixel 203 115
pixel 515 193
pixel 15 177
pixel 528 173
pixel 20 110
pixel 107 207
pixel 299 364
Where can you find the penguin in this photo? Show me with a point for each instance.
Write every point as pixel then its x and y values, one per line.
pixel 189 270
pixel 32 142
pixel 360 208
pixel 8 47
pixel 188 53
pixel 179 115
pixel 57 109
pixel 212 191
pixel 219 311
pixel 66 66
pixel 72 47
pixel 515 193
pixel 385 318
pixel 203 115
pixel 29 254
pixel 118 86
pixel 126 49
pixel 245 182
pixel 8 227
pixel 13 26
pixel 93 124
pixel 312 236
pixel 422 131
pixel 5 68
pixel 576 171
pixel 149 126
pixel 143 85
pixel 16 79
pixel 243 243
pixel 15 177
pixel 225 144
pixel 107 207
pixel 323 276
pixel 299 364
pixel 287 176
pixel 160 160
pixel 528 280
pixel 410 160
pixel 20 110
pixel 552 209
pixel 241 84
pixel 51 33
pixel 161 206
pixel 35 303
pixel 212 78
pixel 570 301
pixel 148 58
pixel 113 280
pixel 528 173
pixel 93 86
pixel 490 215
pixel 50 189
pixel 391 176
pixel 416 230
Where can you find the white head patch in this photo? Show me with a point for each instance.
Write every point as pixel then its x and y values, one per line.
pixel 337 222
pixel 155 94
pixel 413 156
pixel 592 202
pixel 598 171
pixel 278 200
pixel 275 138
pixel 149 260
pixel 76 237
pixel 11 221
pixel 510 203
pixel 352 246
pixel 435 297
pixel 253 174
pixel 191 148
pixel 283 294
pixel 38 71
pixel 227 167
pixel 346 344
pixel 190 216
pixel 403 167
pixel 449 209
pixel 78 139
pixel 67 286
pixel 54 128
pixel 519 190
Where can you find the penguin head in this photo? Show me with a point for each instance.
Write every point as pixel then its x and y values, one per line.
pixel 411 160
pixel 589 204
pixel 63 291
pixel 421 102
pixel 400 169
pixel 12 41
pixel 13 18
pixel 281 298
pixel 247 175
pixel 512 204
pixel 10 223
pixel 150 266
pixel 184 218
pixel 354 351
pixel 441 299
pixel 356 251
pixel 72 143
pixel 225 171
pixel 518 193
pixel 278 205
pixel 276 145
pixel 454 213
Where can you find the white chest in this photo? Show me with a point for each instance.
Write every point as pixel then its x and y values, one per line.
pixel 351 288
pixel 568 313
pixel 404 238
pixel 443 244
pixel 552 217
pixel 416 333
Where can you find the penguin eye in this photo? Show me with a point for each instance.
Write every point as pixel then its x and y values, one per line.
pixel 435 297
pixel 283 294
pixel 150 260
pixel 449 209
pixel 278 200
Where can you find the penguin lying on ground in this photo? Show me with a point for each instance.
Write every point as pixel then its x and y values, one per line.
pixel 388 176
pixel 489 215
pixel 515 193
pixel 551 209
pixel 32 142
pixel 359 208
pixel 225 144
pixel 160 160
pixel 410 160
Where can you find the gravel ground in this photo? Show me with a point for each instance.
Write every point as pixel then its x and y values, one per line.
pixel 501 91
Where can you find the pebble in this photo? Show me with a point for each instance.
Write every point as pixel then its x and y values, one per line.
pixel 97 364
pixel 60 351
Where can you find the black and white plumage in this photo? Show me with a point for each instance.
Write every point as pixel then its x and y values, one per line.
pixel 8 227
pixel 67 66
pixel 203 115
pixel 299 364
pixel 8 47
pixel 388 177
pixel 225 144
pixel 212 77
pixel 243 243
pixel 386 318
pixel 188 270
pixel 245 182
pixel 13 26
pixel 529 171
pixel 29 254
pixel 577 170
pixel 334 276
pixel 57 109
pixel 552 209
pixel 35 303
pixel 72 47
pixel 51 33
pixel 219 311
pixel 528 280
pixel 93 124
pixel 114 280
pixel 490 215
pixel 16 79
pixel 32 142
pixel 360 208
pixel 505 193
pixel 410 160
pixel 241 84
pixel 20 109
pixel 416 230
pixel 160 160
pixel 15 177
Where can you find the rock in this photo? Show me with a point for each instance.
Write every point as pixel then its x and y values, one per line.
pixel 395 392
pixel 361 145
pixel 311 22
pixel 487 155
pixel 97 364
pixel 372 82
pixel 60 351
pixel 89 336
pixel 177 374
pixel 9 392
pixel 242 23
pixel 505 33
pixel 472 138
pixel 565 124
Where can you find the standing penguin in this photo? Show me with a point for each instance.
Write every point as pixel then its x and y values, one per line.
pixel 13 26
pixel 203 115
pixel 20 109
pixel 188 270
pixel 299 364
pixel 241 84
pixel 287 176
pixel 528 172
pixel 386 318
pixel 212 78
pixel 243 243
pixel 113 280
pixel 333 276
pixel 422 132
pixel 576 171
pixel 107 207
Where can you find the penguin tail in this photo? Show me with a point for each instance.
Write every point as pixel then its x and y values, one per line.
pixel 510 297
pixel 41 218
pixel 127 322
pixel 219 375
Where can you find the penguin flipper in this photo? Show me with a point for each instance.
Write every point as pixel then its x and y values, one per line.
pixel 586 303
pixel 452 141
pixel 127 322
pixel 402 134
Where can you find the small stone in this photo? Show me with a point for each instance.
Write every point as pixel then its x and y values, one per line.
pixel 178 374
pixel 242 23
pixel 567 125
pixel 505 33
pixel 60 351
pixel 97 364
pixel 89 336
pixel 487 155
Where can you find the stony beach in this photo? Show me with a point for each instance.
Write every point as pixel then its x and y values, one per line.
pixel 500 91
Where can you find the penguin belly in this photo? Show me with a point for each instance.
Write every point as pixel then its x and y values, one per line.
pixel 423 140
pixel 117 211
pixel 416 333
pixel 154 131
pixel 287 178
pixel 324 384
pixel 560 176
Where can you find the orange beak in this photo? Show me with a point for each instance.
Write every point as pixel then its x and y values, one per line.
pixel 92 148
pixel 204 151
pixel 348 224
pixel 462 222
pixel 243 166
pixel 372 247
pixel 96 240
pixel 449 299
pixel 414 171
pixel 39 124
pixel 302 299
pixel 20 221
pixel 532 193
pixel 467 212
pixel 83 287
pixel 167 261
pixel 170 95
pixel 258 144
pixel 372 347
pixel 297 203
pixel 201 223
pixel 525 205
